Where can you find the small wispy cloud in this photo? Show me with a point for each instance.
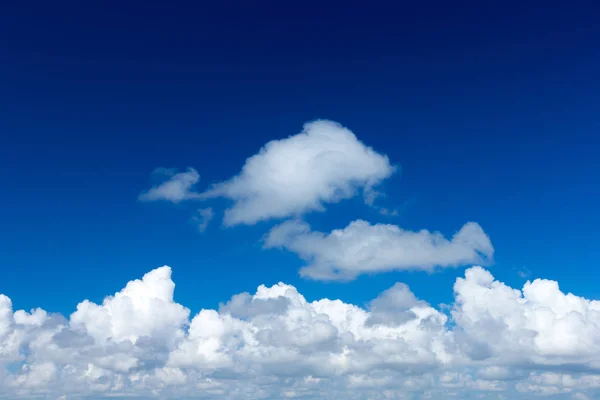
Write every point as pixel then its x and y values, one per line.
pixel 524 272
pixel 202 218
pixel 178 187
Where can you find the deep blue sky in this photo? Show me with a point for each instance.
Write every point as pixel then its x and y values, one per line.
pixel 491 109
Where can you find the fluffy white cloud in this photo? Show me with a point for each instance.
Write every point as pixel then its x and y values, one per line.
pixel 325 163
pixel 536 325
pixel 178 187
pixel 144 308
pixel 499 343
pixel 363 248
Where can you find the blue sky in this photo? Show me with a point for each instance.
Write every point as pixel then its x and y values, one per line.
pixel 489 113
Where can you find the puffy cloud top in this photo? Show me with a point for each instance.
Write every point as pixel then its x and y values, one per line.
pixel 540 323
pixel 144 308
pixel 276 344
pixel 323 164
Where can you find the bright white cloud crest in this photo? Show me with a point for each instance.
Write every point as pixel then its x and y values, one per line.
pixel 499 343
pixel 364 248
pixel 325 163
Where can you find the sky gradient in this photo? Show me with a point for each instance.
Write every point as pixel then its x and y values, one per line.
pixel 253 144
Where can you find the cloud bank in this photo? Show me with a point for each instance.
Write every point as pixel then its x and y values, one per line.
pixel 496 342
pixel 363 248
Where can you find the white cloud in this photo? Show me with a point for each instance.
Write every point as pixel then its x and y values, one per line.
pixel 501 343
pixel 144 308
pixel 202 217
pixel 538 324
pixel 325 163
pixel 178 187
pixel 364 248
pixel 581 396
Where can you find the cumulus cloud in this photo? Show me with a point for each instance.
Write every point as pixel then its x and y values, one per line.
pixel 144 308
pixel 178 186
pixel 393 306
pixel 497 342
pixel 538 324
pixel 361 248
pixel 324 163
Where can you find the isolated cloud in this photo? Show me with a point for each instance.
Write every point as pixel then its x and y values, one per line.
pixel 202 217
pixel 178 187
pixel 498 343
pixel 363 248
pixel 325 163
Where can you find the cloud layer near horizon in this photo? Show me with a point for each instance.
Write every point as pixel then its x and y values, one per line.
pixel 496 342
pixel 362 248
